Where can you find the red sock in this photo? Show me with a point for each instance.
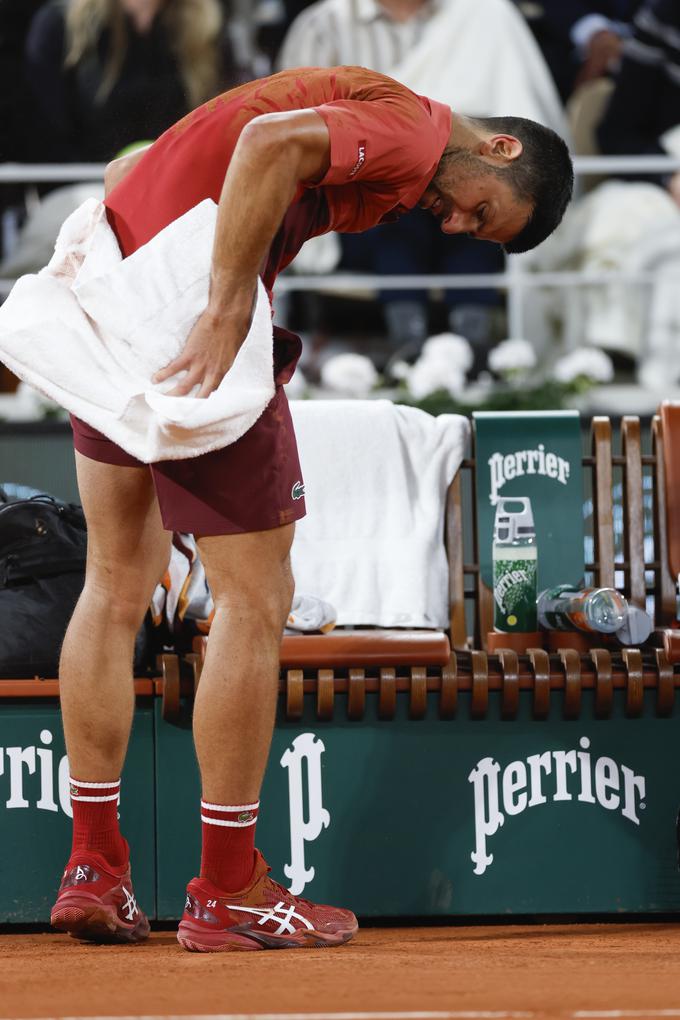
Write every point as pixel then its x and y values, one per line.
pixel 95 820
pixel 228 854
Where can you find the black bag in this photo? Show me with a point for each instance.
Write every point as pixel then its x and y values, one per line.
pixel 43 547
pixel 41 537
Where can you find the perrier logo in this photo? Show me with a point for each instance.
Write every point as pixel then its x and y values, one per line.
pixel 506 466
pixel 549 777
pixel 515 586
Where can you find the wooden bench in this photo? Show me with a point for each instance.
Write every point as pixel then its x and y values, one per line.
pixel 358 662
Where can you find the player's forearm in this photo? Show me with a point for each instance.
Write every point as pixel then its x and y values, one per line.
pixel 271 159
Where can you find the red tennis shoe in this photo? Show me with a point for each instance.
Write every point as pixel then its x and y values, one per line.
pixel 96 902
pixel 262 916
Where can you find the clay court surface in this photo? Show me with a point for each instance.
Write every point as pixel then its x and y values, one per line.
pixel 562 971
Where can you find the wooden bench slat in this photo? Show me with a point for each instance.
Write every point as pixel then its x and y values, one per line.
pixel 454 548
pixel 603 528
pixel 633 510
pixel 664 604
pixel 49 688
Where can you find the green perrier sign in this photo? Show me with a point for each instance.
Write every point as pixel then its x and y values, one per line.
pixel 534 455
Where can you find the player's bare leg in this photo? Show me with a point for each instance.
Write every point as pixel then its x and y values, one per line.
pixel 128 552
pixel 234 905
pixel 252 586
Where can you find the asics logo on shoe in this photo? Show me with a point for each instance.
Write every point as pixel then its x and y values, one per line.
pixel 280 913
pixel 298 490
pixel 130 906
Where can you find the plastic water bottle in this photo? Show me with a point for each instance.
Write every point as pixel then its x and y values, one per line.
pixel 602 610
pixel 515 566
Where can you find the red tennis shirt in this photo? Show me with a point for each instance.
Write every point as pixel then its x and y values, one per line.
pixel 385 140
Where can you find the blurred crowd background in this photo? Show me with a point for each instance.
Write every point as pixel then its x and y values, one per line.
pixel 83 79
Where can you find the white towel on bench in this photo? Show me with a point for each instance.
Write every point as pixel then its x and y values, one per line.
pixel 376 476
pixel 91 329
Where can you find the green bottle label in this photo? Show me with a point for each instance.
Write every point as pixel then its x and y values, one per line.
pixel 514 589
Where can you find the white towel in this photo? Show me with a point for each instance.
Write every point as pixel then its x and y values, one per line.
pixel 91 329
pixel 372 543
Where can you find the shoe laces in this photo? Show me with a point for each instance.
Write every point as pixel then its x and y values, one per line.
pixel 286 893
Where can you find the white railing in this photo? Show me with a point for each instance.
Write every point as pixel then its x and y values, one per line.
pixel 515 280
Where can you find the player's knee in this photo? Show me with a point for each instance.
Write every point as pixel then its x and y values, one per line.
pixel 265 604
pixel 121 591
pixel 118 604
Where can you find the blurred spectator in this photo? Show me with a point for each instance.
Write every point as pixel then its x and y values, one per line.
pixel 272 19
pixel 633 225
pixel 15 110
pixel 475 55
pixel 15 19
pixel 580 41
pixel 105 73
pixel 644 107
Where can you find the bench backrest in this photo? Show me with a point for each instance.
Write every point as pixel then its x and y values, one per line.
pixel 629 530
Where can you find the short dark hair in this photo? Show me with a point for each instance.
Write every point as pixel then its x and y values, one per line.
pixel 543 175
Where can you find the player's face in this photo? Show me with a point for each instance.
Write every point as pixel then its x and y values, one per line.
pixel 467 197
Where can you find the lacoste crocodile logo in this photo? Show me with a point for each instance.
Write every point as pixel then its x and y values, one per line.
pixel 298 490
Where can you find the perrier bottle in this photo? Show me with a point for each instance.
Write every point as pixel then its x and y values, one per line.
pixel 514 566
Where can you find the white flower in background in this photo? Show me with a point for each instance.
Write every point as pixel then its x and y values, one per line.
pixel 26 404
pixel 588 362
pixel 449 348
pixel 352 375
pixel 296 388
pixel 429 375
pixel 512 356
pixel 400 370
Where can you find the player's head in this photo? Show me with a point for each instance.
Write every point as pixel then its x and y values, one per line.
pixel 503 179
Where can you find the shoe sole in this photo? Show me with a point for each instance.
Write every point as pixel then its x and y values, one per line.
pixel 94 921
pixel 197 940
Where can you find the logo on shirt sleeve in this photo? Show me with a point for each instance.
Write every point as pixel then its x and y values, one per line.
pixel 361 159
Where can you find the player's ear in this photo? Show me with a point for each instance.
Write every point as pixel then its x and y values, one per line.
pixel 505 148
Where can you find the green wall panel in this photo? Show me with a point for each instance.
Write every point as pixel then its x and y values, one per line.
pixel 396 809
pixel 34 827
pixel 39 455
pixel 383 817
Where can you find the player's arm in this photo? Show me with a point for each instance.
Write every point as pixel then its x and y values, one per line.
pixel 119 168
pixel 274 155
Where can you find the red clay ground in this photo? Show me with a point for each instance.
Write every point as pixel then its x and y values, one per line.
pixel 538 972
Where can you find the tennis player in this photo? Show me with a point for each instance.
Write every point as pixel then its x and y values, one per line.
pixel 286 158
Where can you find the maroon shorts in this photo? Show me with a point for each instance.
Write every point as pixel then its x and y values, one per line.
pixel 252 485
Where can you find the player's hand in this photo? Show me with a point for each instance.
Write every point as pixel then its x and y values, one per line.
pixel 209 353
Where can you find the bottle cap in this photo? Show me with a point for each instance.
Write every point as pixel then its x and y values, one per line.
pixel 636 628
pixel 513 525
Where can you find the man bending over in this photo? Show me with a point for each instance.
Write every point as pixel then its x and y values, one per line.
pixel 286 158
